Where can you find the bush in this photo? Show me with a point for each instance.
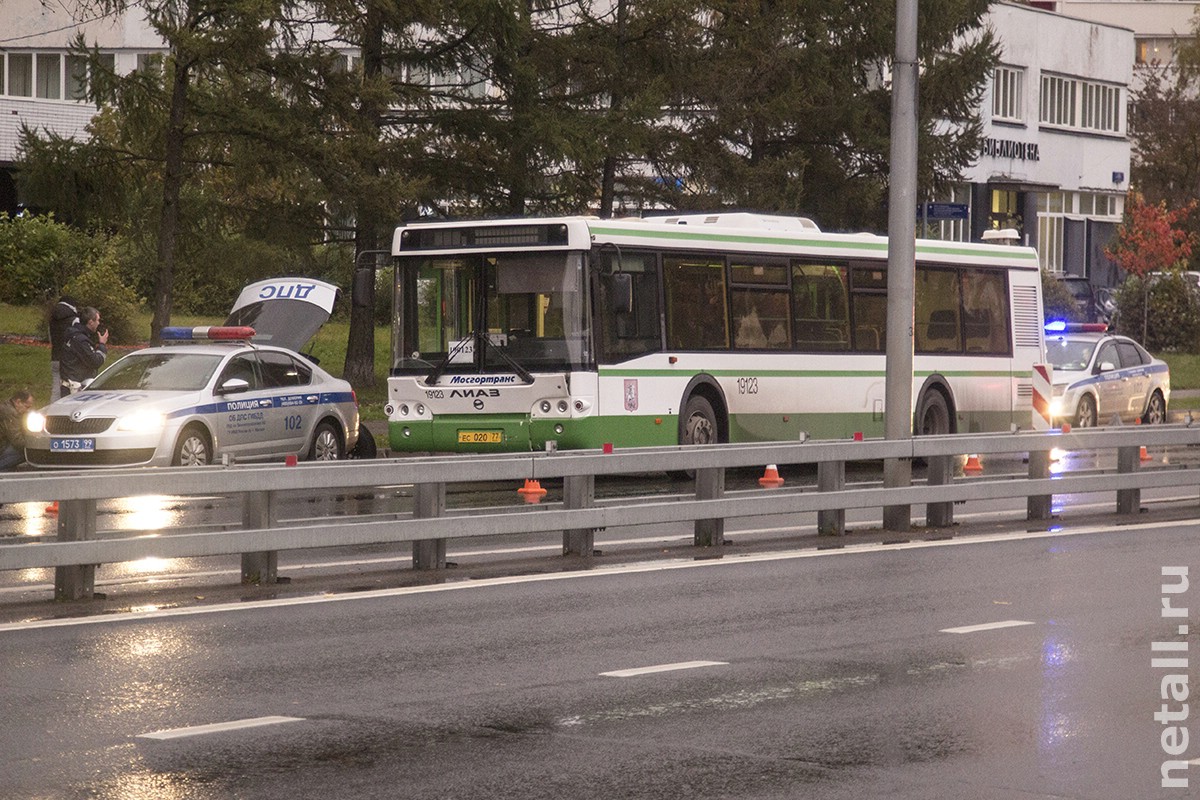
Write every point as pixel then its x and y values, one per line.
pixel 39 256
pixel 99 286
pixel 1162 312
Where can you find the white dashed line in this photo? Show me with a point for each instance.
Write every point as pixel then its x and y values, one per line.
pixel 987 626
pixel 218 727
pixel 629 673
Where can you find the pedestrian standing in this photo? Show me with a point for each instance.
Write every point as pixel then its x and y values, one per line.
pixel 12 429
pixel 63 315
pixel 85 350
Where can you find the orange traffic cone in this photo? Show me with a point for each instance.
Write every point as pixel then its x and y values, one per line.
pixel 1066 427
pixel 1143 455
pixel 52 508
pixel 972 464
pixel 532 491
pixel 770 478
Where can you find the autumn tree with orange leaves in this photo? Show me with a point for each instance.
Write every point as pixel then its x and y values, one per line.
pixel 1151 239
pixel 1154 242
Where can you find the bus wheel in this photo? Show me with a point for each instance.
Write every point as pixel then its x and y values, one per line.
pixel 699 422
pixel 1085 417
pixel 1156 412
pixel 933 416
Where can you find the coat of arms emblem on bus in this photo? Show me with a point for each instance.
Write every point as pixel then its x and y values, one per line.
pixel 631 403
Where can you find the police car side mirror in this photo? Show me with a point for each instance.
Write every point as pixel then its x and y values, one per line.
pixel 234 386
pixel 1105 366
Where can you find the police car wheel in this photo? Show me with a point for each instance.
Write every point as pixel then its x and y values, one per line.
pixel 327 445
pixel 193 448
pixel 1156 411
pixel 1085 417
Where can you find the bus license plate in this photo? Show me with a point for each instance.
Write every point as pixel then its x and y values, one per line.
pixel 480 437
pixel 74 445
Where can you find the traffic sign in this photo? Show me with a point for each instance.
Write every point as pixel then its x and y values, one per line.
pixel 944 211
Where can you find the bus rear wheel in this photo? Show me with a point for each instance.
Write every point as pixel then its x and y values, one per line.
pixel 933 415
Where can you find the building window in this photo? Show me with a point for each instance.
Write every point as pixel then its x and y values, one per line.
pixel 1007 94
pixel 77 78
pixel 49 76
pixel 1083 105
pixel 20 74
pixel 1154 51
pixel 1051 223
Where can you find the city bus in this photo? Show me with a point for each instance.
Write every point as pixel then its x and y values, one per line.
pixel 579 332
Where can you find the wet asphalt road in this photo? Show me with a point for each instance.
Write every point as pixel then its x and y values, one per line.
pixel 833 676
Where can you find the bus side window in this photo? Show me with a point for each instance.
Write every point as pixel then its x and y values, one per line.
pixel 936 311
pixel 986 312
pixel 820 307
pixel 623 334
pixel 697 318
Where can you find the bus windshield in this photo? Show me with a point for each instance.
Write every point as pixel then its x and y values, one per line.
pixel 492 313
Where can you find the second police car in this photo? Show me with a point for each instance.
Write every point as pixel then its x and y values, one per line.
pixel 240 390
pixel 1099 376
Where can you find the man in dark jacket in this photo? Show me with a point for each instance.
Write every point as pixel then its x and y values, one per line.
pixel 83 355
pixel 62 317
pixel 12 429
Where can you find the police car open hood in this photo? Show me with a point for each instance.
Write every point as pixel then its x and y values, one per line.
pixel 285 312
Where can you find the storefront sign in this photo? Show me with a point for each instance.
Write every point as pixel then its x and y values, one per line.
pixel 1008 148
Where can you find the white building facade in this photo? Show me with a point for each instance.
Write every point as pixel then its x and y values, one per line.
pixel 1056 155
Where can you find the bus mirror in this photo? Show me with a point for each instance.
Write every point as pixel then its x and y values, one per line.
pixel 364 280
pixel 621 292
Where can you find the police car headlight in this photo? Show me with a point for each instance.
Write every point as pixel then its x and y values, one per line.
pixel 141 422
pixel 1056 407
pixel 35 422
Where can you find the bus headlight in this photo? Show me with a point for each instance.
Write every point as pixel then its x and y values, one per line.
pixel 35 422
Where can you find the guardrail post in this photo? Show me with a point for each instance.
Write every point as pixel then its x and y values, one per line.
pixel 1129 501
pixel 579 491
pixel 429 500
pixel 260 568
pixel 1039 506
pixel 710 485
pixel 831 477
pixel 76 522
pixel 939 471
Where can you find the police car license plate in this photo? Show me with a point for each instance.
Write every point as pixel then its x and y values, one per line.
pixel 480 437
pixel 74 444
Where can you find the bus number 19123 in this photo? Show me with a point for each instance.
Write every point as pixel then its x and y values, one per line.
pixel 747 385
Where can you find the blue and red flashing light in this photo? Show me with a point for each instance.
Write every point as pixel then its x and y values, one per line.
pixel 207 332
pixel 1062 326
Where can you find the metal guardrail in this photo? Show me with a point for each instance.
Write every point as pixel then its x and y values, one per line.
pixel 75 554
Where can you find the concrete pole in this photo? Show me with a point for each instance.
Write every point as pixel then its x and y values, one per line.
pixel 902 213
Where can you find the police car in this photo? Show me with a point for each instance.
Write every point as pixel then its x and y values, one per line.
pixel 1098 375
pixel 239 391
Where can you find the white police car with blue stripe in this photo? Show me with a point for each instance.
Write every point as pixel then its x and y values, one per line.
pixel 1099 377
pixel 213 393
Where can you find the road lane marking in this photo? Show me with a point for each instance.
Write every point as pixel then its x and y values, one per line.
pixel 629 673
pixel 218 727
pixel 987 626
pixel 604 572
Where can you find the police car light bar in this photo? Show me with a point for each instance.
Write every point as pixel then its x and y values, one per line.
pixel 1061 326
pixel 210 332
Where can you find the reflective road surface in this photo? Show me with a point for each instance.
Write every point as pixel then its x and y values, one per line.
pixel 985 668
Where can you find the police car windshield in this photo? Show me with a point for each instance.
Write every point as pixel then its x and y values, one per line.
pixel 1069 354
pixel 175 371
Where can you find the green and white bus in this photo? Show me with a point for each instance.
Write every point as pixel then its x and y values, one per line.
pixel 510 335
